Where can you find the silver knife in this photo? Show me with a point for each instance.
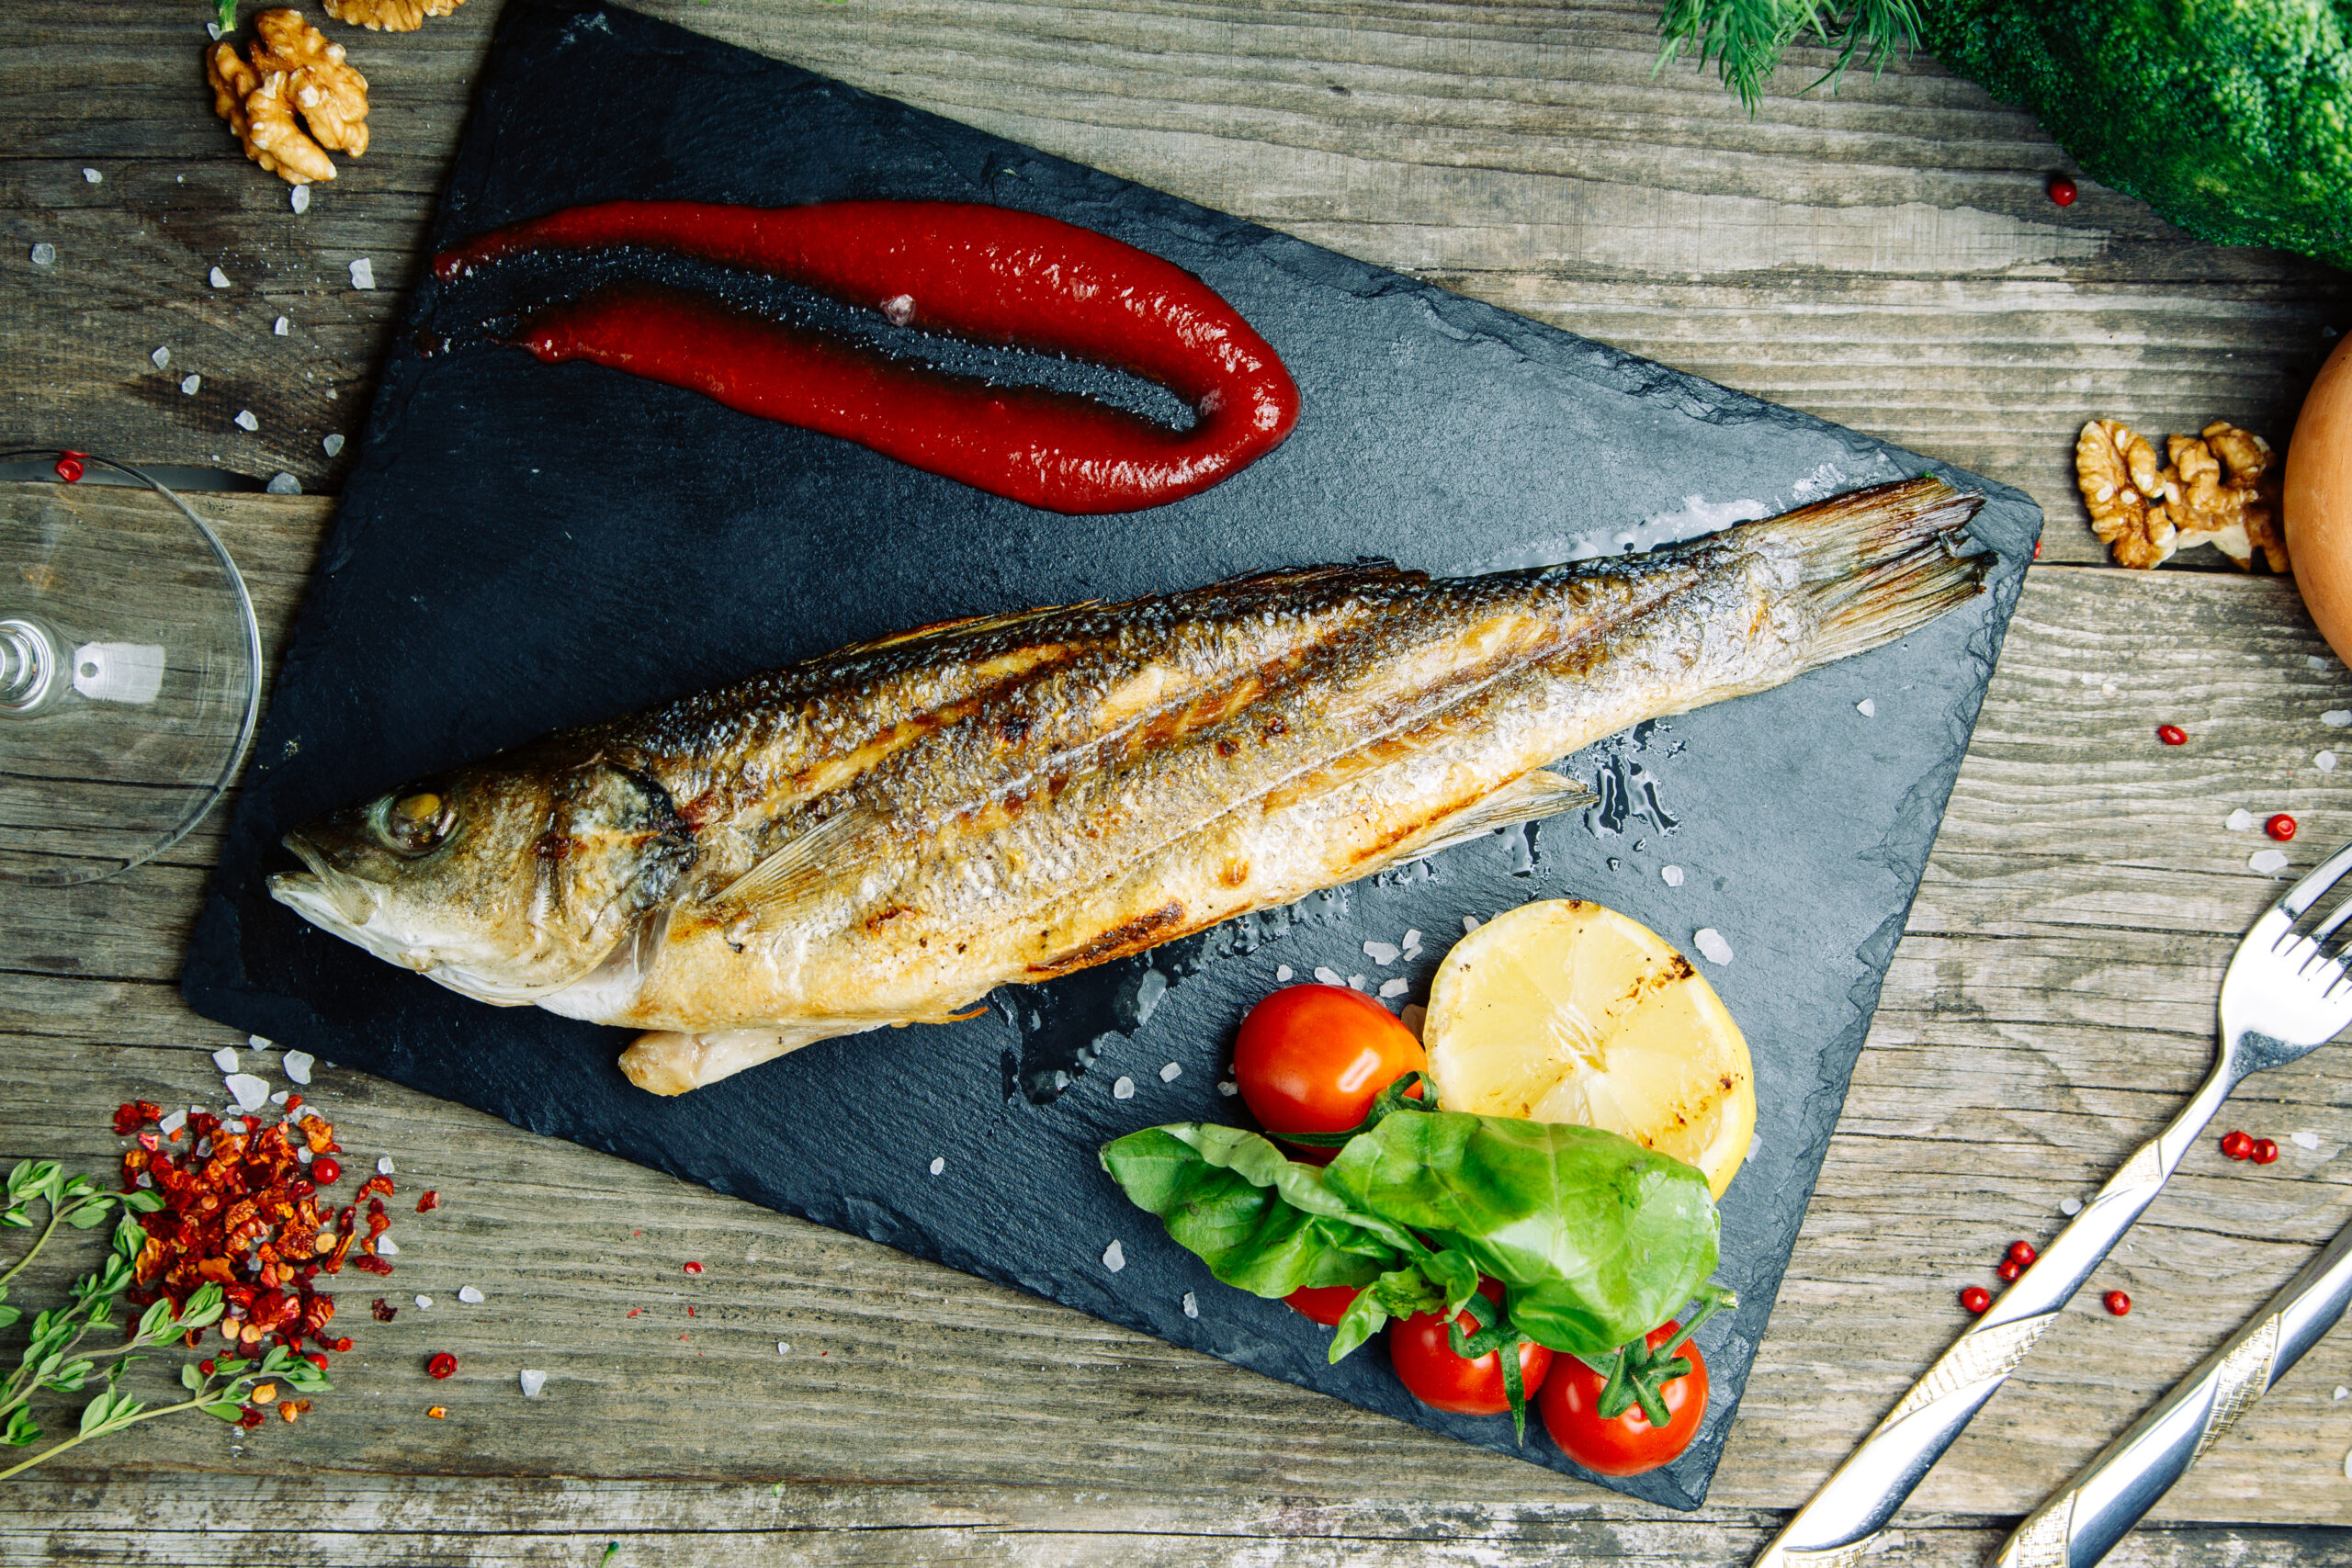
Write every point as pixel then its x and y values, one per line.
pixel 2082 1524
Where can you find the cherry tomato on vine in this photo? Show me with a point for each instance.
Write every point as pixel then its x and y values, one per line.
pixel 1423 1354
pixel 1626 1444
pixel 1310 1058
pixel 1322 1303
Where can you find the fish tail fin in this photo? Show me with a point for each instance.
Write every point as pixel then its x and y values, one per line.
pixel 1881 562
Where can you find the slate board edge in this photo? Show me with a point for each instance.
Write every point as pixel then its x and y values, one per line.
pixel 216 934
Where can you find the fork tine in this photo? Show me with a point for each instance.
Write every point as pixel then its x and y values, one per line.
pixel 2321 877
pixel 2327 928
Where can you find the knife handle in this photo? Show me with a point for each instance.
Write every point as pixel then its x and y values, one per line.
pixel 2082 1524
pixel 1841 1524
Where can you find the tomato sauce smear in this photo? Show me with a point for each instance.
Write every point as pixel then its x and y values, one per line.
pixel 989 275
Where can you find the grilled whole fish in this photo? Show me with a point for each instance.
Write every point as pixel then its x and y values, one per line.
pixel 883 835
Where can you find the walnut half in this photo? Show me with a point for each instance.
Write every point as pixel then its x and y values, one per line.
pixel 389 16
pixel 293 69
pixel 2218 488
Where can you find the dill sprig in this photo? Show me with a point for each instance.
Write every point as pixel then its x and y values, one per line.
pixel 1745 38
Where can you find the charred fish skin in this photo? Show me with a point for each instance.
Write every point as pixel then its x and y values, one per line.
pixel 884 834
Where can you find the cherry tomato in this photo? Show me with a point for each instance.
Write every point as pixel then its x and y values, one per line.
pixel 1627 1444
pixel 1322 1303
pixel 1423 1354
pixel 1311 1058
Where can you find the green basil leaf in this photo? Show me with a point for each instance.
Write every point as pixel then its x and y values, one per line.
pixel 1259 1227
pixel 1597 1239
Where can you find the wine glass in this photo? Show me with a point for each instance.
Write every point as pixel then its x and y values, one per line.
pixel 130 671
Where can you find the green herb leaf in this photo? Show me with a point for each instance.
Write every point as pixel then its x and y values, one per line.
pixel 228 16
pixel 204 1308
pixel 9 1315
pixel 277 1357
pixel 1262 1222
pixel 20 1176
pixel 225 1410
pixel 1597 1238
pixel 155 1323
pixel 144 1201
pixel 190 1379
pixel 229 1366
pixel 69 1378
pixel 17 1218
pixel 88 1216
pixel 93 1414
pixel 23 1430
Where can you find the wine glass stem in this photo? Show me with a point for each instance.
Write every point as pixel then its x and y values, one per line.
pixel 31 665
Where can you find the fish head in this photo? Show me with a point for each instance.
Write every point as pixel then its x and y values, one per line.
pixel 504 882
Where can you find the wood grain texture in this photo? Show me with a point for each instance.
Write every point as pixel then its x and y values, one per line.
pixel 2050 1006
pixel 1884 258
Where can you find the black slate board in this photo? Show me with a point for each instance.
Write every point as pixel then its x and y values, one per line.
pixel 523 546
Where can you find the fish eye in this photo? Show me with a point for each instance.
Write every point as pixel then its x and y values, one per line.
pixel 415 822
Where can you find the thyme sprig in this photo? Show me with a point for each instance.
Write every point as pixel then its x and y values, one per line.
pixel 48 1362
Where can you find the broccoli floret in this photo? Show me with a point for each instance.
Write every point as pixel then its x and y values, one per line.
pixel 2232 118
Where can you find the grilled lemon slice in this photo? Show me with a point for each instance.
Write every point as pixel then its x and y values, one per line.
pixel 1567 1011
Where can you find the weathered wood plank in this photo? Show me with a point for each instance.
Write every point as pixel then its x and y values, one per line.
pixel 1884 258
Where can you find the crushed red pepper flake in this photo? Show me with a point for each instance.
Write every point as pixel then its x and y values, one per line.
pixel 429 1202
pixel 384 1311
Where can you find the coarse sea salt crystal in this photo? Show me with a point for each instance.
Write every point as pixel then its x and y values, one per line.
pixel 2324 762
pixel 470 1296
pixel 1169 1072
pixel 279 327
pixel 279 1097
pixel 91 176
pixel 1228 1088
pixel 245 420
pixel 2270 862
pixel 363 273
pixel 1355 981
pixel 1469 924
pixel 297 1066
pixel 250 1092
pixel 191 382
pixel 305 1155
pixel 232 1123
pixel 783 1347
pixel 1328 975
pixel 225 1058
pixel 1712 944
pixel 1114 1257
pixel 2239 820
pixel 2343 1393
pixel 2336 718
pixel 1396 988
pixel 1866 707
pixel 2069 1206
pixel 44 255
pixel 218 278
pixel 162 358
pixel 1412 942
pixel 384 1166
pixel 173 1123
pixel 333 444
pixel 1192 1305
pixel 1124 1089
pixel 300 198
pixel 387 1248
pixel 938 1163
pixel 1382 954
pixel 1670 874
pixel 2303 1140
pixel 282 483
pixel 1282 973
pixel 2315 661
pixel 425 1301
pixel 532 1384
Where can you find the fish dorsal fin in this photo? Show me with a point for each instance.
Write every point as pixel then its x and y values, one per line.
pixel 786 883
pixel 1527 798
pixel 963 627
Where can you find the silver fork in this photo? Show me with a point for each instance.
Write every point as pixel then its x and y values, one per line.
pixel 2286 994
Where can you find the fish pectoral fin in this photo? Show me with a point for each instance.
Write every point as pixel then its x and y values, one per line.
pixel 790 881
pixel 1528 798
pixel 668 1061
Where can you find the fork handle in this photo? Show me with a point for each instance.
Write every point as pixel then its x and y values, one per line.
pixel 2082 1524
pixel 1842 1522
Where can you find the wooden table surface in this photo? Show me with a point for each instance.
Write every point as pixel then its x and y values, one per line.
pixel 1884 258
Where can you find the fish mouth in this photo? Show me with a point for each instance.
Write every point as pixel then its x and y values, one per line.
pixel 355 908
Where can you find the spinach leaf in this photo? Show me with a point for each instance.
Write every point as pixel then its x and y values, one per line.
pixel 1597 1239
pixel 1262 1222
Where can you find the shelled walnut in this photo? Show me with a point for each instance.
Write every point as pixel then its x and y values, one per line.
pixel 389 16
pixel 291 69
pixel 2218 488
